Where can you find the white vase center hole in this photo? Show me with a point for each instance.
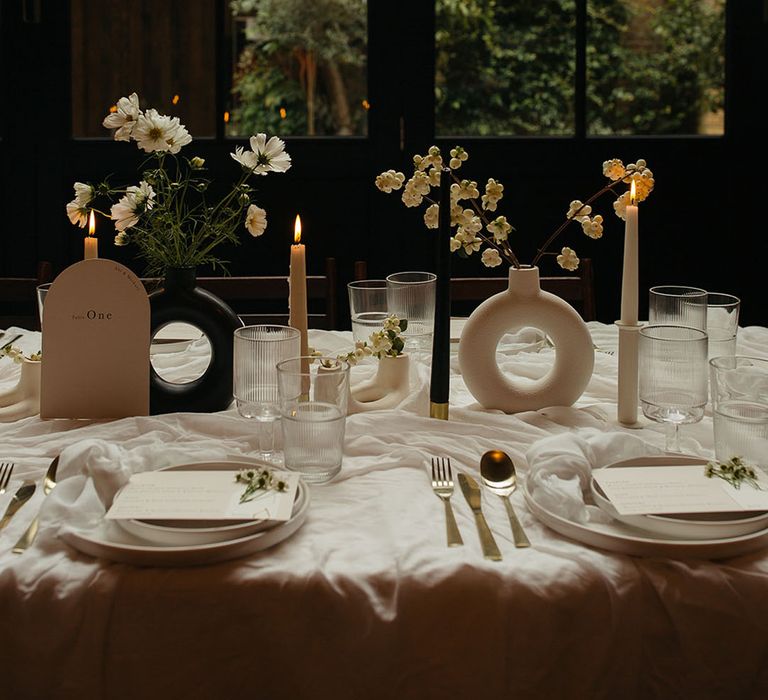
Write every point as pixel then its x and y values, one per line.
pixel 180 353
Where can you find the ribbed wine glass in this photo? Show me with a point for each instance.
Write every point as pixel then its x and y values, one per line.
pixel 257 350
pixel 673 377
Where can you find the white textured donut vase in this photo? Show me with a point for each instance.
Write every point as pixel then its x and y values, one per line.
pixel 524 304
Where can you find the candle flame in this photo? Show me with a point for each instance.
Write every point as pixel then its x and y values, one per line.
pixel 633 194
pixel 92 224
pixel 297 230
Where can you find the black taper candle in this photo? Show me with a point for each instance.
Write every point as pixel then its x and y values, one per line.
pixel 441 340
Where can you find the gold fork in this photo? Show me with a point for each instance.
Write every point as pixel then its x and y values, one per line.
pixel 6 469
pixel 442 485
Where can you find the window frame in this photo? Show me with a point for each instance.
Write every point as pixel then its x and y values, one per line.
pixel 332 178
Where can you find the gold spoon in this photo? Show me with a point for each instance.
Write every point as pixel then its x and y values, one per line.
pixel 498 472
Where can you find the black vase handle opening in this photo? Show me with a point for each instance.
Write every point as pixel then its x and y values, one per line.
pixel 180 300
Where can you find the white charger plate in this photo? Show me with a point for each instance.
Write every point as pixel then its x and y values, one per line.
pixel 109 541
pixel 619 537
pixel 689 526
pixel 180 533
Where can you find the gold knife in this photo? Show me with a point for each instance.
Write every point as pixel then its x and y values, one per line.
pixel 19 499
pixel 471 492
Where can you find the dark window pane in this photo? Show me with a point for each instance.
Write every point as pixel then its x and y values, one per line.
pixel 300 68
pixel 655 66
pixel 164 51
pixel 504 67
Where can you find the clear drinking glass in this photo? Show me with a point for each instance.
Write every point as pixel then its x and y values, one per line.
pixel 313 406
pixel 722 323
pixel 675 305
pixel 257 350
pixel 411 295
pixel 673 377
pixel 42 291
pixel 367 307
pixel 739 388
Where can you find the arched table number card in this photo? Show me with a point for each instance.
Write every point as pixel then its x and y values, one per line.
pixel 95 343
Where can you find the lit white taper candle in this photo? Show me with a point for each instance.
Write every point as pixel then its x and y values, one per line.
pixel 629 278
pixel 297 289
pixel 91 242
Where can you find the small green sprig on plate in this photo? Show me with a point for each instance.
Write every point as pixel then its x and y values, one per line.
pixel 256 480
pixel 734 471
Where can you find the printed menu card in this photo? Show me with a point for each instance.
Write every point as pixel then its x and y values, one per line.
pixel 95 343
pixel 677 489
pixel 200 495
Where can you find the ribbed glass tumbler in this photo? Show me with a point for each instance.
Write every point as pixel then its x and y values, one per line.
pixel 257 350
pixel 314 394
pixel 676 305
pixel 411 296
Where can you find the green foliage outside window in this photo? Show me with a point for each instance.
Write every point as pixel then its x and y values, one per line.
pixel 302 69
pixel 653 66
pixel 501 67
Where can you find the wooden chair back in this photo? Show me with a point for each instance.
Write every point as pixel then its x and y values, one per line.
pixel 265 299
pixel 468 292
pixel 18 298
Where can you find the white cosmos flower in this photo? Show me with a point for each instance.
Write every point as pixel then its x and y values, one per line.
pixel 77 213
pixel 124 213
pixel 137 199
pixel 142 194
pixel 178 137
pixel 77 209
pixel 264 155
pixel 121 239
pixel 155 132
pixel 256 220
pixel 125 118
pixel 83 193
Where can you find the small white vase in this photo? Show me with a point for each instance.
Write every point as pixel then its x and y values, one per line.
pixel 386 389
pixel 24 399
pixel 524 304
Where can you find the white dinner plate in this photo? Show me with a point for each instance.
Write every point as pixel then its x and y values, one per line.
pixel 178 533
pixel 689 526
pixel 110 541
pixel 616 536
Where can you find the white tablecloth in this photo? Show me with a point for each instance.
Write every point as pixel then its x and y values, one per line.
pixel 366 600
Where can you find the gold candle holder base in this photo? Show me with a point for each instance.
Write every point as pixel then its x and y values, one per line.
pixel 438 410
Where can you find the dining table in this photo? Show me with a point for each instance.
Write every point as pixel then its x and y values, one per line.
pixel 365 599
